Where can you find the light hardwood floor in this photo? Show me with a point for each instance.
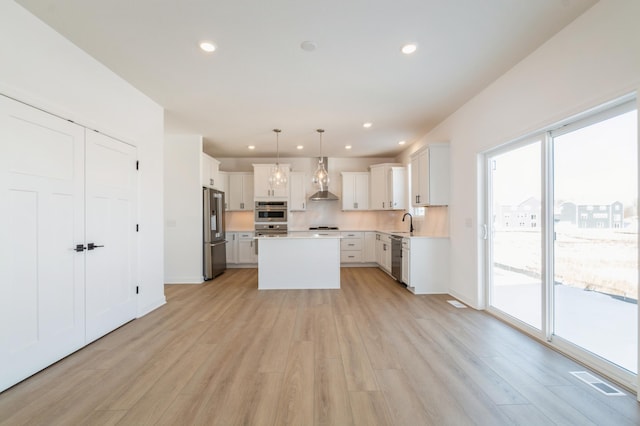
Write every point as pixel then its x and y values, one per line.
pixel 371 353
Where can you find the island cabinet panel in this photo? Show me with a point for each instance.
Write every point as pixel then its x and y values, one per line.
pixel 430 176
pixel 240 194
pixel 299 262
pixel 262 189
pixel 355 190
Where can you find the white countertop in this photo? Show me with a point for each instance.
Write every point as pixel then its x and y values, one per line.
pixel 333 233
pixel 297 235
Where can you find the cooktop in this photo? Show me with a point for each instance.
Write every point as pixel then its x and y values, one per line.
pixel 323 228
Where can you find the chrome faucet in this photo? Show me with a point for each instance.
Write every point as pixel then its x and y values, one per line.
pixel 410 221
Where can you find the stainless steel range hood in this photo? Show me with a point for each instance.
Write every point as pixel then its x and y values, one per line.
pixel 323 194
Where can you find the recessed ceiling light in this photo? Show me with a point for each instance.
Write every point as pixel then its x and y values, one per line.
pixel 207 46
pixel 367 125
pixel 308 46
pixel 408 49
pixel 251 147
pixel 347 147
pixel 402 142
pixel 299 147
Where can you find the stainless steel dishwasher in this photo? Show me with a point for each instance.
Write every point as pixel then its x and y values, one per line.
pixel 396 257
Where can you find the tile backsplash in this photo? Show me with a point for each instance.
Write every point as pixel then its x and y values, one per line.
pixel 434 223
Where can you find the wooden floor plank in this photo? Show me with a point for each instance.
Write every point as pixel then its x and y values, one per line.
pixel 295 405
pixel 331 403
pixel 370 353
pixel 357 365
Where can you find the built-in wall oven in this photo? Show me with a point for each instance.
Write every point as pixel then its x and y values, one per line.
pixel 270 211
pixel 269 230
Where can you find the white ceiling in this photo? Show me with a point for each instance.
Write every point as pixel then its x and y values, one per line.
pixel 259 78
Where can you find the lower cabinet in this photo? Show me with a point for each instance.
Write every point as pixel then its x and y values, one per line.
pixel 232 247
pixel 369 249
pixel 425 265
pixel 383 251
pixel 247 248
pixel 351 247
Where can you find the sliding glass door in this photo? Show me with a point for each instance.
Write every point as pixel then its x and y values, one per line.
pixel 595 252
pixel 562 237
pixel 515 232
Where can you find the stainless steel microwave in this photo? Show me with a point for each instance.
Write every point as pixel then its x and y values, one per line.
pixel 270 211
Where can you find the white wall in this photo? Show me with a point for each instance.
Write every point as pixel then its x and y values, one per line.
pixel 43 69
pixel 182 209
pixel 594 59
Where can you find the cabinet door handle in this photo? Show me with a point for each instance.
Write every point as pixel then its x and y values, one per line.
pixel 303 206
pixel 242 205
pixel 383 204
pixel 79 248
pixel 92 246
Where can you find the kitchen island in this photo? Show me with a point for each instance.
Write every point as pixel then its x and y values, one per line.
pixel 295 261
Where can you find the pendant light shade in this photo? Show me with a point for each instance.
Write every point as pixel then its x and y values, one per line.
pixel 321 176
pixel 278 177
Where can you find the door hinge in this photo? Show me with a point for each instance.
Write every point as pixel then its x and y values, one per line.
pixel 137 165
pixel 137 228
pixel 137 290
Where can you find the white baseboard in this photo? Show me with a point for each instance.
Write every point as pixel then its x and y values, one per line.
pixel 151 307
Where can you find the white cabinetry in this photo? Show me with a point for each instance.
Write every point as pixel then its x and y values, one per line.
pixel 406 253
pixel 383 251
pixel 223 183
pixel 247 248
pixel 298 191
pixel 430 176
pixel 351 247
pixel 262 189
pixel 209 172
pixel 232 247
pixel 240 195
pixel 427 265
pixel 355 191
pixel 369 250
pixel 387 186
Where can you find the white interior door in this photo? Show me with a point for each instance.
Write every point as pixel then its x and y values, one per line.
pixel 41 221
pixel 111 184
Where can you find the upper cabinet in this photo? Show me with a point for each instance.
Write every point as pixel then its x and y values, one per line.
pixel 430 176
pixel 262 189
pixel 355 191
pixel 209 172
pixel 388 186
pixel 298 191
pixel 239 196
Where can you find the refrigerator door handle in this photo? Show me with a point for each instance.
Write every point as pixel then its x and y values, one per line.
pixel 218 243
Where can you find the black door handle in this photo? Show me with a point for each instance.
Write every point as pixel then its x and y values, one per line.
pixel 79 247
pixel 91 246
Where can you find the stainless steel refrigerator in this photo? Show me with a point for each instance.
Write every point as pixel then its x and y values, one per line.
pixel 215 244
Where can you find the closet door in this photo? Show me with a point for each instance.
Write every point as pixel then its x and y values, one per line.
pixel 111 186
pixel 41 222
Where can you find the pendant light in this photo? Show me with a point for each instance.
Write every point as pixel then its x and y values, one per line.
pixel 278 177
pixel 321 176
